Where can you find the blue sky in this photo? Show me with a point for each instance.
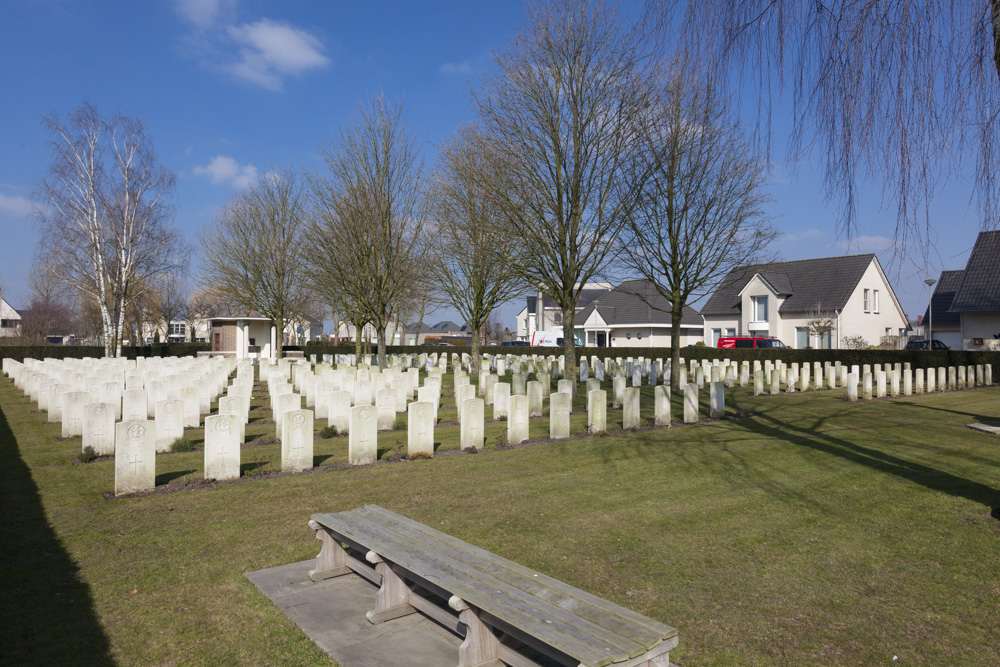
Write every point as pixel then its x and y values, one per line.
pixel 230 88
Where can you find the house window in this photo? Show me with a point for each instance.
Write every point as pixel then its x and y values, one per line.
pixel 639 336
pixel 177 329
pixel 801 337
pixel 759 308
pixel 867 307
pixel 875 301
pixel 716 335
pixel 730 332
pixel 628 336
pixel 8 324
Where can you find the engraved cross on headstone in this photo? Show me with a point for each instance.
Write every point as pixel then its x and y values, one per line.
pixel 135 464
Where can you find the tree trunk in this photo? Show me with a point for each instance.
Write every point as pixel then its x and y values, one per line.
pixel 119 326
pixel 569 346
pixel 279 337
pixel 676 312
pixel 475 363
pixel 380 333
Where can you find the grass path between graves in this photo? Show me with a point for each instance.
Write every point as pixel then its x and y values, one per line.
pixel 811 532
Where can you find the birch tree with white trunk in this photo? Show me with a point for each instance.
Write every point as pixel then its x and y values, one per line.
pixel 104 215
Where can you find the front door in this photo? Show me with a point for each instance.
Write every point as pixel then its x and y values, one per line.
pixel 602 340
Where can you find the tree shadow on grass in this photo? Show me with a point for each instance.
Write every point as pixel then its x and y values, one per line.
pixel 46 612
pixel 769 425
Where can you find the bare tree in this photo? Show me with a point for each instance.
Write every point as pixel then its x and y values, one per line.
pixel 821 323
pixel 904 91
pixel 472 239
pixel 202 304
pixel 562 109
pixel 364 239
pixel 251 253
pixel 700 213
pixel 105 221
pixel 170 301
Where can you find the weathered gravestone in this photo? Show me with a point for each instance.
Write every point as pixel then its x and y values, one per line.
pixel 72 412
pixel 99 428
pixel 297 440
pixel 501 400
pixel 385 407
pixel 661 405
pixel 691 402
pixel 223 436
pixel 135 456
pixel 420 428
pixel 597 410
pixel 517 419
pixel 717 400
pixel 472 431
pixel 560 404
pixel 339 411
pixel 534 399
pixel 362 443
pixel 169 423
pixel 630 408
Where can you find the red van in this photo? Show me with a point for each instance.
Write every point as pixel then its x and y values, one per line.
pixel 731 342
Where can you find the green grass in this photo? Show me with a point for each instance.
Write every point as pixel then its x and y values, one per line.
pixel 812 532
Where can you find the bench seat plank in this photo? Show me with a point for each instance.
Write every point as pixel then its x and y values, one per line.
pixel 549 589
pixel 578 624
pixel 562 628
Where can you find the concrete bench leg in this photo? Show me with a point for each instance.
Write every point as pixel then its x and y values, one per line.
pixel 332 559
pixel 393 597
pixel 480 648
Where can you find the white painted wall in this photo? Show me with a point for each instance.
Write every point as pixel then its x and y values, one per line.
pixel 979 325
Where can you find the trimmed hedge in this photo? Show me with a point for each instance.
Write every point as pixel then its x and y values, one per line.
pixel 916 358
pixel 22 352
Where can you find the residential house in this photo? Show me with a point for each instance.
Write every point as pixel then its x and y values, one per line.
pixel 10 320
pixel 634 314
pixel 541 313
pixel 807 303
pixel 945 325
pixel 976 299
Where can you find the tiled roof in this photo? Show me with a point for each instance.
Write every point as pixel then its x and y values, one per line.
pixel 624 305
pixel 980 287
pixel 941 300
pixel 827 282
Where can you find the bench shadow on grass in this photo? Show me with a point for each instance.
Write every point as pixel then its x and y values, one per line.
pixel 769 425
pixel 46 612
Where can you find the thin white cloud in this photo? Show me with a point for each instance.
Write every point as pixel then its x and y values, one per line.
pixel 863 243
pixel 224 169
pixel 270 50
pixel 14 206
pixel 464 67
pixel 807 235
pixel 204 14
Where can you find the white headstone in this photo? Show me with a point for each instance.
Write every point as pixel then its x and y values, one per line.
pixel 597 410
pixel 362 444
pixel 517 419
pixel 223 436
pixel 135 456
pixel 169 423
pixel 420 428
pixel 560 405
pixel 661 399
pixel 297 440
pixel 630 408
pixel 473 429
pixel 99 428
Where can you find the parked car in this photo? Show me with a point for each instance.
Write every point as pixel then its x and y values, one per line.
pixel 514 343
pixel 922 345
pixel 731 342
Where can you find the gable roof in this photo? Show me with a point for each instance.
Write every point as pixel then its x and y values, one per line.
pixel 623 305
pixel 980 287
pixel 828 281
pixel 941 300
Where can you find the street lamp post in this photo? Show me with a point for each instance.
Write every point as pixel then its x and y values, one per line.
pixel 930 314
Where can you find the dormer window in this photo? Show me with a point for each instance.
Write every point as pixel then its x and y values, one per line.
pixel 867 302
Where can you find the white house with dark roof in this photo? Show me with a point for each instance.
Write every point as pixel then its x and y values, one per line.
pixel 10 319
pixel 966 304
pixel 786 300
pixel 634 314
pixel 541 313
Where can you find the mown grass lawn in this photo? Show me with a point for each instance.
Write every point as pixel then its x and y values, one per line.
pixel 811 532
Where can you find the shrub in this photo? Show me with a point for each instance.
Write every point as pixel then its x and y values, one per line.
pixel 87 455
pixel 855 343
pixel 328 432
pixel 399 424
pixel 181 445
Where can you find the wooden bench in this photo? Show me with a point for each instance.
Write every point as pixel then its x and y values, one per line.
pixel 507 613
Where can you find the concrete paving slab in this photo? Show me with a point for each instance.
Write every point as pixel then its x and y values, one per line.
pixel 986 427
pixel 332 614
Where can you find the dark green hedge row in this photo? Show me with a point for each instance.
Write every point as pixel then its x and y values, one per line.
pixel 22 352
pixel 916 358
